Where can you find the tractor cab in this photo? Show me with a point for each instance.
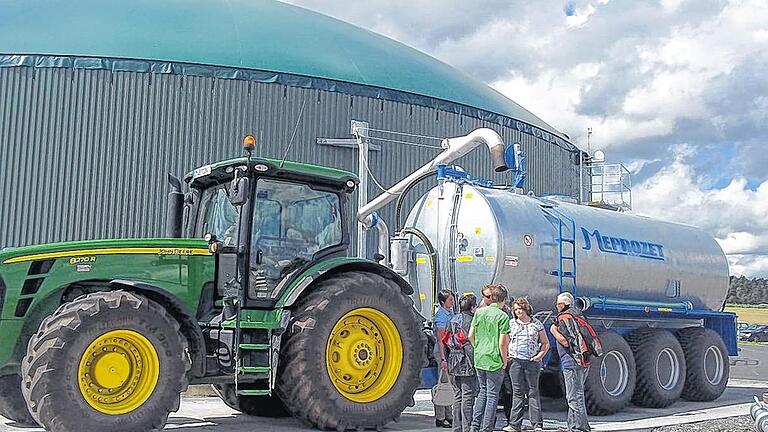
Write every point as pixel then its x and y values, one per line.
pixel 266 220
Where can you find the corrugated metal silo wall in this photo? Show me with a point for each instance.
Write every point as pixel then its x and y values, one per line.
pixel 84 153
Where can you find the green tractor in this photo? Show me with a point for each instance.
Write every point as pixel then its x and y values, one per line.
pixel 253 292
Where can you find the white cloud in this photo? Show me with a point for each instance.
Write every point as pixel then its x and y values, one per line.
pixel 675 71
pixel 735 215
pixel 748 265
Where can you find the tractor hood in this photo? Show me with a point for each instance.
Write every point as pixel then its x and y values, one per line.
pixel 35 280
pixel 32 275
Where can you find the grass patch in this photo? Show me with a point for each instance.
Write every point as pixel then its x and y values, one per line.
pixel 752 315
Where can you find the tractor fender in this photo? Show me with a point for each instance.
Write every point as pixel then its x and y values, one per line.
pixel 178 310
pixel 332 266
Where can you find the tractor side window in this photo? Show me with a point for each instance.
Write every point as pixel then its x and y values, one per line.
pixel 219 216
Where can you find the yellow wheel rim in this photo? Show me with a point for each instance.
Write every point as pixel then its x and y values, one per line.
pixel 364 355
pixel 118 372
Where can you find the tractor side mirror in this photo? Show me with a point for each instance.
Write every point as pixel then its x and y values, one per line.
pixel 238 194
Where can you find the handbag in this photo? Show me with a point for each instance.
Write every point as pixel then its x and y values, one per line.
pixel 442 392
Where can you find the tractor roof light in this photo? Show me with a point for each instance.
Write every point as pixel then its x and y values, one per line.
pixel 249 143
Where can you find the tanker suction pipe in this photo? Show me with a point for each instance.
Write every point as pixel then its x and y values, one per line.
pixel 455 148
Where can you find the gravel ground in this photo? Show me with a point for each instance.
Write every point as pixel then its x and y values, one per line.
pixel 730 424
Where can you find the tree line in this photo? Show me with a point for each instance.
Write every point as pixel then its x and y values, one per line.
pixel 747 291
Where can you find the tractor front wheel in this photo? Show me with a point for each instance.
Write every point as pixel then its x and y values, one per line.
pixel 353 354
pixel 127 358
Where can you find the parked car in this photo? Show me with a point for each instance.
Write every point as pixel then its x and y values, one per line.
pixel 754 333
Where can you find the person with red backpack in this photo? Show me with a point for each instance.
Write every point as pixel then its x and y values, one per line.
pixel 574 350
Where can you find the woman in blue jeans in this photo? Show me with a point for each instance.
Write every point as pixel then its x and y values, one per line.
pixel 528 344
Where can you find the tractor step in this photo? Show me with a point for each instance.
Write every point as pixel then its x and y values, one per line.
pixel 254 347
pixel 254 369
pixel 247 325
pixel 254 392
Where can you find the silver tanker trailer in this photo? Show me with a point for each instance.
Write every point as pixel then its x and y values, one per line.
pixel 655 290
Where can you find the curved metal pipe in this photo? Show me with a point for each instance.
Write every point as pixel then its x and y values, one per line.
pixel 455 148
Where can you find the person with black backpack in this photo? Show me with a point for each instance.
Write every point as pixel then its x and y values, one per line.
pixel 574 359
pixel 461 365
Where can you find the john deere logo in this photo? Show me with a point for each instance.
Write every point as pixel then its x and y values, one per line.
pixel 175 251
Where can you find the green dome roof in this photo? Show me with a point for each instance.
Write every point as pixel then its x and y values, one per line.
pixel 248 34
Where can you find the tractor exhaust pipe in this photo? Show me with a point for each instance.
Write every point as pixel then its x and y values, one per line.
pixel 173 216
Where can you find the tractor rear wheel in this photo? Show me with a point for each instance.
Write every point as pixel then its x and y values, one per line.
pixel 353 353
pixel 128 357
pixel 257 406
pixel 12 404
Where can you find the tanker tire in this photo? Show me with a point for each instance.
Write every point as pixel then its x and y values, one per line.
pixel 648 346
pixel 304 384
pixel 617 359
pixel 698 344
pixel 54 352
pixel 257 406
pixel 12 403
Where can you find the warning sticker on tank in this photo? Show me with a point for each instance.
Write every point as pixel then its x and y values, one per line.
pixel 512 261
pixel 422 296
pixel 465 258
pixel 421 260
pixel 477 230
pixel 468 195
pixel 528 240
pixel 490 259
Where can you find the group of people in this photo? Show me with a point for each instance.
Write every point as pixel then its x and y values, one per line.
pixel 482 342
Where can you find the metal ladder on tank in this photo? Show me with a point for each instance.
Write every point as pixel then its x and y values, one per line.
pixel 565 259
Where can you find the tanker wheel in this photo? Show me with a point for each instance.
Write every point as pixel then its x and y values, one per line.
pixel 611 380
pixel 660 367
pixel 128 358
pixel 353 354
pixel 12 403
pixel 707 364
pixel 257 406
